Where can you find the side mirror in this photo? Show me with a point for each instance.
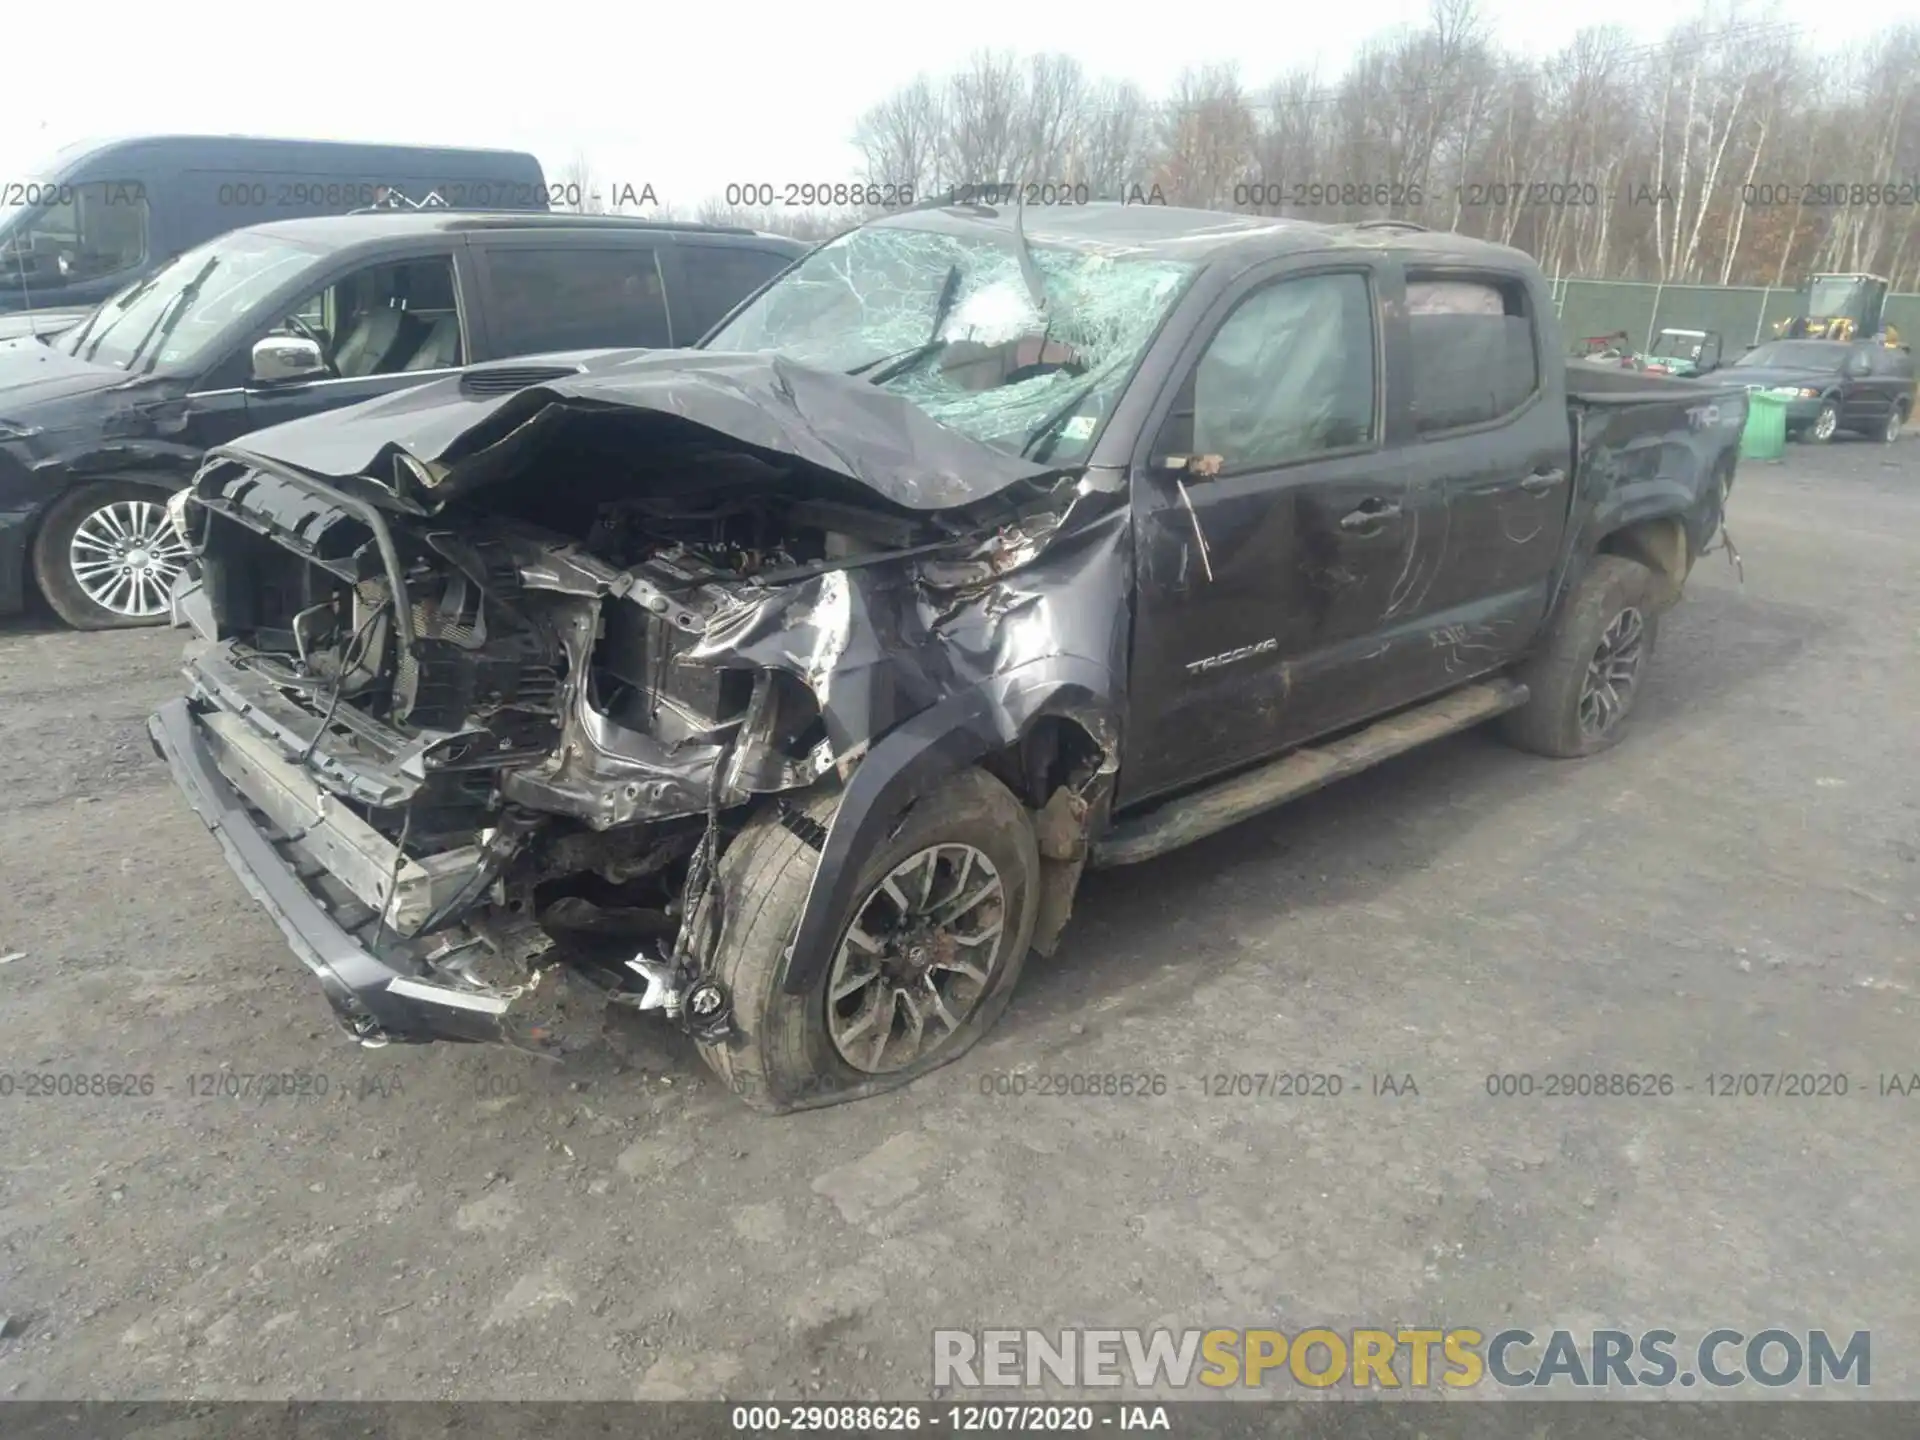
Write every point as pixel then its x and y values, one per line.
pixel 279 359
pixel 1190 467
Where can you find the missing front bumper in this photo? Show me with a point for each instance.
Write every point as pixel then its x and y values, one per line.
pixel 384 991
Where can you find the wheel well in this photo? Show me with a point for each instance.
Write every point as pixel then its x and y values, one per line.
pixel 1055 751
pixel 1660 545
pixel 1061 769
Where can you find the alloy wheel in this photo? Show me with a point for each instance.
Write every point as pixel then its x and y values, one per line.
pixel 1826 423
pixel 917 960
pixel 125 557
pixel 1612 673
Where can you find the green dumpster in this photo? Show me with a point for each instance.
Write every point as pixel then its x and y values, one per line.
pixel 1765 437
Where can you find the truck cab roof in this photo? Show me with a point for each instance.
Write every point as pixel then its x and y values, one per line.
pixel 1180 233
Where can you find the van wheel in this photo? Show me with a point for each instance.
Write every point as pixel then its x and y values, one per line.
pixel 1825 425
pixel 926 959
pixel 1896 422
pixel 1586 675
pixel 106 556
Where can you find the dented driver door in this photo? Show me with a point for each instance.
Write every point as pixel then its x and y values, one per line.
pixel 1264 564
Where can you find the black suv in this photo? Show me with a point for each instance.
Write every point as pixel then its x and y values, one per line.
pixel 99 425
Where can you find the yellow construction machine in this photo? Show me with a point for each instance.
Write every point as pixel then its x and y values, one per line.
pixel 1841 307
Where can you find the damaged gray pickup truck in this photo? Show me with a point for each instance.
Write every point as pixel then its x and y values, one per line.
pixel 785 686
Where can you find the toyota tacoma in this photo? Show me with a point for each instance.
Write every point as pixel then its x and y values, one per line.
pixel 785 686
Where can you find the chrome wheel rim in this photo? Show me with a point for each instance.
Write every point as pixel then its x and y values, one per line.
pixel 125 557
pixel 920 955
pixel 1895 422
pixel 1612 673
pixel 1826 423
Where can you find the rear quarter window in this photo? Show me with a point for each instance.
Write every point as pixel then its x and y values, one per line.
pixel 714 279
pixel 1472 355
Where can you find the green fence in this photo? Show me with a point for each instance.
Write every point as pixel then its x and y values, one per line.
pixel 1744 315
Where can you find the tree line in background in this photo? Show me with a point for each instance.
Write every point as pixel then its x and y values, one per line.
pixel 1728 152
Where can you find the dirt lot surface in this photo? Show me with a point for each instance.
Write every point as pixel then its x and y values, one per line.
pixel 1733 890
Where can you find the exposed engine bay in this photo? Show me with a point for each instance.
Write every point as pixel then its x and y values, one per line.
pixel 513 729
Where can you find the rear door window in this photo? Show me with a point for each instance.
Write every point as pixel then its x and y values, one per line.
pixel 574 297
pixel 1472 352
pixel 714 279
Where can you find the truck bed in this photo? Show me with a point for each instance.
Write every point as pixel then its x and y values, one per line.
pixel 1644 442
pixel 1602 384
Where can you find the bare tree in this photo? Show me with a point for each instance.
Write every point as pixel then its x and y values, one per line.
pixel 983 106
pixel 1117 139
pixel 1289 141
pixel 1206 138
pixel 1050 120
pixel 1727 150
pixel 901 139
pixel 581 192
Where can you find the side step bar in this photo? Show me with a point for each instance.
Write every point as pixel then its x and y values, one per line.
pixel 1206 812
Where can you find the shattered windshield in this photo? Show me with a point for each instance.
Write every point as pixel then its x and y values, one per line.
pixel 951 323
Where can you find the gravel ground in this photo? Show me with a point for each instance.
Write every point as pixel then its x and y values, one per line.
pixel 1732 890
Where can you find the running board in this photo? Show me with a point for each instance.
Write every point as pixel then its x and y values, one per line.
pixel 1206 812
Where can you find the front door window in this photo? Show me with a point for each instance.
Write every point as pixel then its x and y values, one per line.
pixel 384 320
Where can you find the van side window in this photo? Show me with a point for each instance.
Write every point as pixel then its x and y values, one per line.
pixel 1472 352
pixel 92 232
pixel 1288 375
pixel 385 319
pixel 715 278
pixel 574 298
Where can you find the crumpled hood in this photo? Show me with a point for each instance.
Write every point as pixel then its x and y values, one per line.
pixel 763 402
pixel 32 375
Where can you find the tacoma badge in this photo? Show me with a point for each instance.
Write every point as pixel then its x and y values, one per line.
pixel 1214 662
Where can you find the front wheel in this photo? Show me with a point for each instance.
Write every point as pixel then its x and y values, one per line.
pixel 1585 677
pixel 106 556
pixel 1825 425
pixel 925 960
pixel 1896 422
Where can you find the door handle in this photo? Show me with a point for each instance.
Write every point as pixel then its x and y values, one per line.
pixel 1542 480
pixel 1371 513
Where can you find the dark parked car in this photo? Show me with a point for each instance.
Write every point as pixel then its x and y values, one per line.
pixel 1864 386
pixel 787 685
pixel 101 216
pixel 99 425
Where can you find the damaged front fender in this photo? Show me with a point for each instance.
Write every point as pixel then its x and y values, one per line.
pixel 910 762
pixel 1048 639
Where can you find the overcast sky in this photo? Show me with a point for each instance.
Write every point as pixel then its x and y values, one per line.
pixel 687 97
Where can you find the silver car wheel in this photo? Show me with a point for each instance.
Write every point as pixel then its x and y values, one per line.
pixel 125 557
